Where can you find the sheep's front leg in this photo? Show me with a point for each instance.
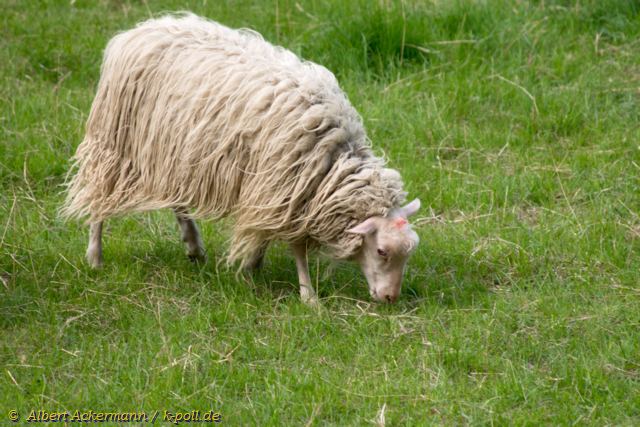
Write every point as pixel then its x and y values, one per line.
pixel 190 236
pixel 94 250
pixel 307 294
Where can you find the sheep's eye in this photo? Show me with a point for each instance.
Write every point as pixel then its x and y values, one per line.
pixel 383 253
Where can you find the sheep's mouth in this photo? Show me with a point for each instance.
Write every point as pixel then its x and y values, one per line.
pixel 387 299
pixel 375 297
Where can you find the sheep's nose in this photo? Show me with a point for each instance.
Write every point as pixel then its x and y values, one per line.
pixel 391 298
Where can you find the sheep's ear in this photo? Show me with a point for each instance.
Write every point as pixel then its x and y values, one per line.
pixel 407 210
pixel 365 227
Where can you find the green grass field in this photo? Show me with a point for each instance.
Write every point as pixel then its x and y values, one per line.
pixel 515 122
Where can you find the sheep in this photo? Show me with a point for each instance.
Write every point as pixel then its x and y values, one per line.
pixel 213 122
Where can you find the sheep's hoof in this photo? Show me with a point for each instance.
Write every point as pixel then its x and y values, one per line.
pixel 198 258
pixel 311 301
pixel 94 259
pixel 308 296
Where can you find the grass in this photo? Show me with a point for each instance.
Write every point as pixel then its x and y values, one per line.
pixel 515 122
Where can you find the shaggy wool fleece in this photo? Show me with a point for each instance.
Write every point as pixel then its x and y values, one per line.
pixel 193 115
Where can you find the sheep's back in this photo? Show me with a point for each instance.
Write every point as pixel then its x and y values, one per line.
pixel 216 119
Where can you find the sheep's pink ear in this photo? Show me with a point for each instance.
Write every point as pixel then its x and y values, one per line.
pixel 407 210
pixel 365 227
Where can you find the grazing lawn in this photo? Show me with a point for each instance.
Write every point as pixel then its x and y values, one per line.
pixel 517 124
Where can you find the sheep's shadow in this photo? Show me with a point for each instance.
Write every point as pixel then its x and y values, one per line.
pixel 450 279
pixel 440 281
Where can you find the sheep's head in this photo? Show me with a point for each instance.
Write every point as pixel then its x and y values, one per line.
pixel 388 242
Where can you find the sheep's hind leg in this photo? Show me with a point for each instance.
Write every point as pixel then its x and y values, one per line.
pixel 94 250
pixel 190 236
pixel 307 293
pixel 255 262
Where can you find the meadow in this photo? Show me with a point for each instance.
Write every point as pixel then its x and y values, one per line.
pixel 516 123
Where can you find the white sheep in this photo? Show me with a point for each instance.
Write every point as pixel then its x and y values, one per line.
pixel 209 121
